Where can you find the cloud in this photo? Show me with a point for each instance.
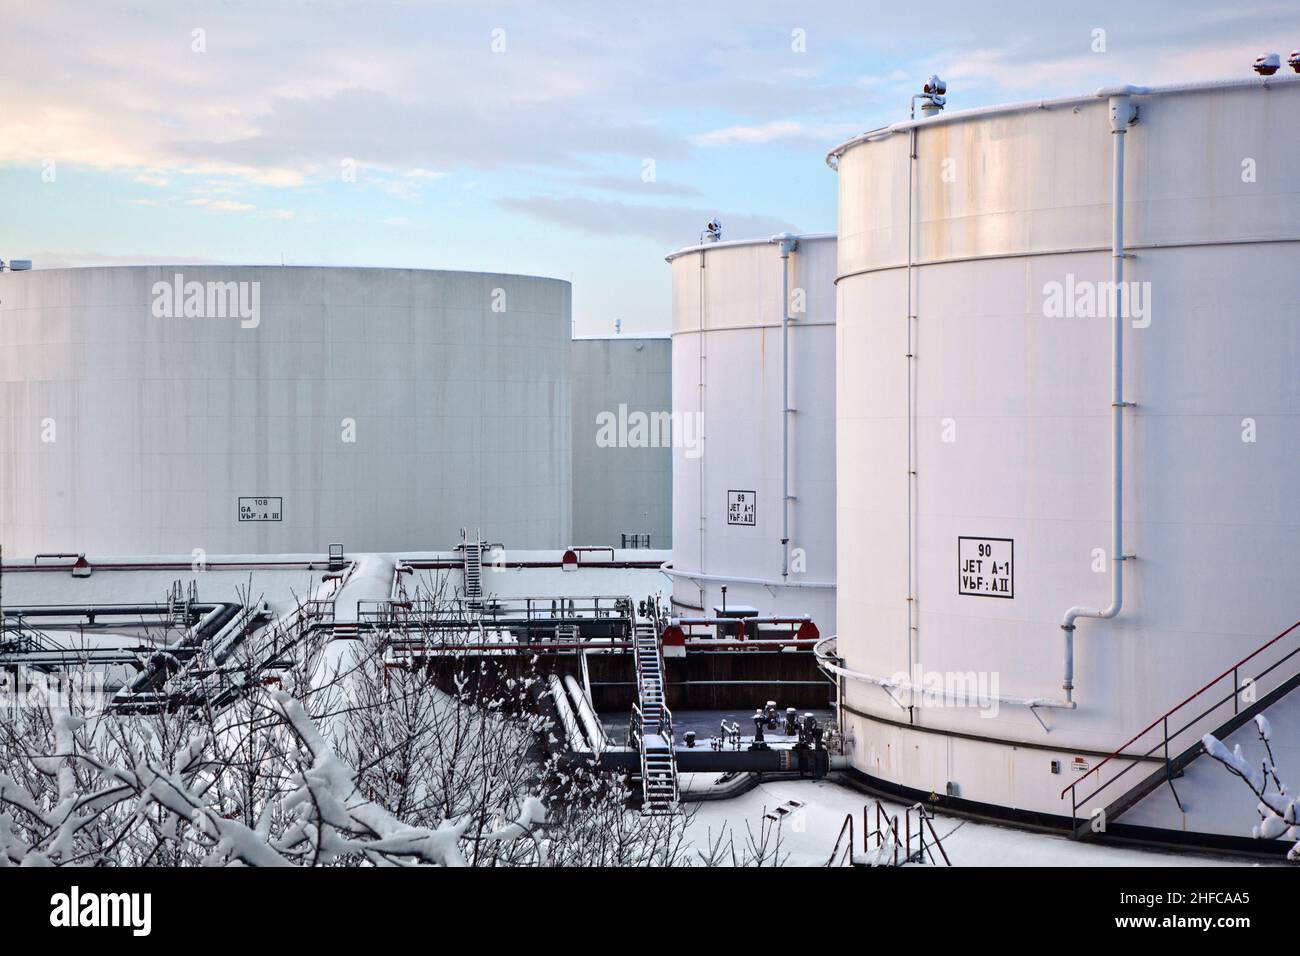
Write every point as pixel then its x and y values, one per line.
pixel 670 226
pixel 221 205
pixel 372 126
pixel 633 184
pixel 770 132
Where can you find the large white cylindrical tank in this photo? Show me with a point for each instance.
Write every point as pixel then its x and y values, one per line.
pixel 975 425
pixel 281 409
pixel 729 449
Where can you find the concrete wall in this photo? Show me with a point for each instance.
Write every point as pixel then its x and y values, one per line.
pixel 620 489
pixel 123 431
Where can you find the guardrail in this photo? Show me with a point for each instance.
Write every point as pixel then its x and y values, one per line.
pixel 1162 744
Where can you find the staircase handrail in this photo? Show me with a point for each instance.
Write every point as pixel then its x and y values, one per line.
pixel 1163 721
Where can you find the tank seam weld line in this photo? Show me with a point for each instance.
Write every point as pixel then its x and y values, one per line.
pixel 981 738
pixel 1074 250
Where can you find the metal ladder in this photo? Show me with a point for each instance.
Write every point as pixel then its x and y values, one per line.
pixel 652 727
pixel 474 573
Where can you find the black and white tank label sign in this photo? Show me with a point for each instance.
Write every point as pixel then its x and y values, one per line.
pixel 986 567
pixel 742 508
pixel 260 509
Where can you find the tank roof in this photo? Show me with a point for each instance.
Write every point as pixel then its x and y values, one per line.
pixel 732 243
pixel 1043 104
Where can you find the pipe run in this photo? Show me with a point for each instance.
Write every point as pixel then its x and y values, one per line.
pixel 787 244
pixel 702 621
pixel 1122 115
pixel 828 662
pixel 667 569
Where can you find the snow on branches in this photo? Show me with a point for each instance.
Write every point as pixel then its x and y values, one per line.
pixel 406 774
pixel 1277 810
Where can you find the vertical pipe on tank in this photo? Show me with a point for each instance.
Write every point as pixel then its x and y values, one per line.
pixel 788 244
pixel 703 356
pixel 1122 115
pixel 911 463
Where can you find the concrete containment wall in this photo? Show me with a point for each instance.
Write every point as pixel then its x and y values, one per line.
pixel 623 485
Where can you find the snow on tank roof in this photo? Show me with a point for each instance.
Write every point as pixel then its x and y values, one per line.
pixel 616 336
pixel 732 243
pixel 1106 91
pixel 181 266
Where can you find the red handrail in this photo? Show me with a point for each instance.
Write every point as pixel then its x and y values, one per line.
pixel 1145 730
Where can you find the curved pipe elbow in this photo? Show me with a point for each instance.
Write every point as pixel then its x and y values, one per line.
pixel 1074 613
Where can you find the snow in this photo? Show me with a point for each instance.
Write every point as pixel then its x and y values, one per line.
pixel 1234 760
pixel 808 834
pixel 279 586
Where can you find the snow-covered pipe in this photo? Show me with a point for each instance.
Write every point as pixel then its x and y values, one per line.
pixel 571 732
pixel 667 569
pixel 1122 114
pixel 789 619
pixel 595 732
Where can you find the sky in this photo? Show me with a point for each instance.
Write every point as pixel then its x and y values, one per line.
pixel 577 140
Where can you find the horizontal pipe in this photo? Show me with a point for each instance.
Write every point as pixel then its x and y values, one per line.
pixel 803 619
pixel 717 683
pixel 886 683
pixel 732 579
pixel 99 610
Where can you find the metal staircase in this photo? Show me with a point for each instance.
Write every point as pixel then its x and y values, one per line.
pixel 473 573
pixel 652 726
pixel 1173 740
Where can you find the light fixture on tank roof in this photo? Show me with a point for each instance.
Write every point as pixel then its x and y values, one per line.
pixel 1267 64
pixel 933 96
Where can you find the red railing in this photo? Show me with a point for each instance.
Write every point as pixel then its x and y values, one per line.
pixel 1163 722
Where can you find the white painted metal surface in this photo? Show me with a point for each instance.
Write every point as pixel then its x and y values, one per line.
pixel 1003 414
pixel 123 431
pixel 727 380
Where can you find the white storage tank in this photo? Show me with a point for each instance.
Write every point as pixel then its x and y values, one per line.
pixel 163 409
pixel 741 482
pixel 975 423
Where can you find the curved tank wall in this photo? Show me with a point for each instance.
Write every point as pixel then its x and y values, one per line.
pixel 381 408
pixel 727 405
pixel 1005 402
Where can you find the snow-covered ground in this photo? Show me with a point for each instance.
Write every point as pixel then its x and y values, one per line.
pixel 808 833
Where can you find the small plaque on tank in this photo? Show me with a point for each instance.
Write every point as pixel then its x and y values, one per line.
pixel 742 508
pixel 260 509
pixel 986 567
